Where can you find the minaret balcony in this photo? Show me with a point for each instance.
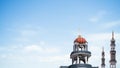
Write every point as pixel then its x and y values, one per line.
pixel 78 53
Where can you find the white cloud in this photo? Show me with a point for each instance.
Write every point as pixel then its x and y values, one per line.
pixel 3 56
pixel 56 58
pixel 98 37
pixel 31 52
pixel 42 43
pixel 110 24
pixel 28 57
pixel 32 48
pixel 28 32
pixel 40 49
pixel 98 16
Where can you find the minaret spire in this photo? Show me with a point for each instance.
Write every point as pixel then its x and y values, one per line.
pixel 102 49
pixel 112 34
pixel 112 53
pixel 103 58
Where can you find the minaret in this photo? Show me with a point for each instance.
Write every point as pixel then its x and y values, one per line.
pixel 112 53
pixel 103 59
pixel 80 54
pixel 80 51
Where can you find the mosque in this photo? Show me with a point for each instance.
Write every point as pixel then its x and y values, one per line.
pixel 81 54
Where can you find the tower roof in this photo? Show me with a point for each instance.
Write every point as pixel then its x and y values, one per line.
pixel 80 40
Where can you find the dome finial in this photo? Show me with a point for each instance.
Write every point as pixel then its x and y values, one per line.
pixel 78 31
pixel 79 36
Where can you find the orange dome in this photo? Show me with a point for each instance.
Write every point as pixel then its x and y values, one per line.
pixel 80 40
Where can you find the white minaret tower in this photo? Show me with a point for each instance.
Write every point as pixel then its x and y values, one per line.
pixel 103 59
pixel 80 51
pixel 80 54
pixel 112 53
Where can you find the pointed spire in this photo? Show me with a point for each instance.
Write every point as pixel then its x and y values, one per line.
pixel 103 53
pixel 102 49
pixel 112 34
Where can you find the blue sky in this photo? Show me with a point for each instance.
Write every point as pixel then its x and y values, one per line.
pixel 40 33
